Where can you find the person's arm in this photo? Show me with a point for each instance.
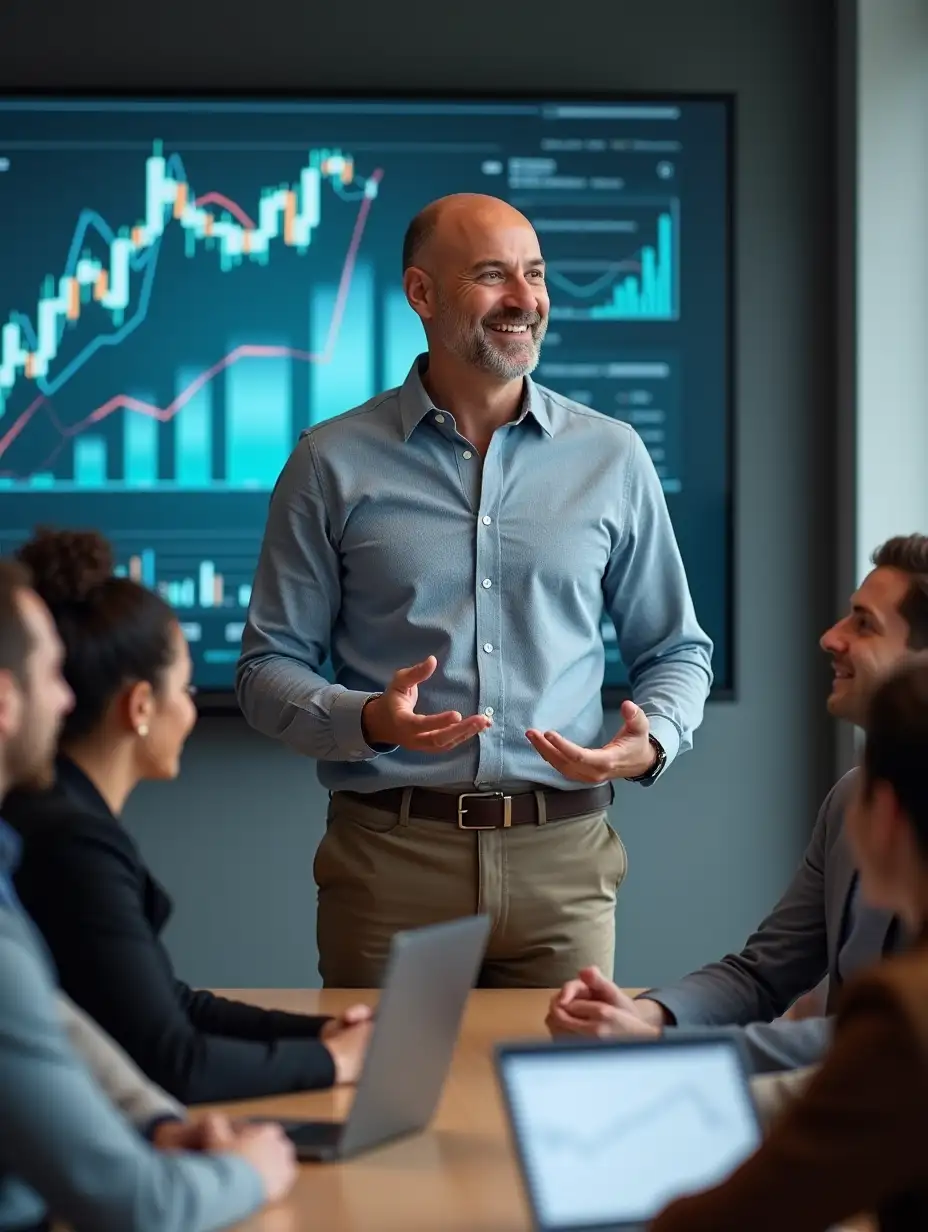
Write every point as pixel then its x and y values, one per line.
pixel 295 600
pixel 853 1141
pixel 62 1137
pixel 82 891
pixel 236 1019
pixel 667 654
pixel 141 1102
pixel 786 956
pixel 773 1093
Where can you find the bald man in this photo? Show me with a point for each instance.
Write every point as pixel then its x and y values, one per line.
pixel 454 544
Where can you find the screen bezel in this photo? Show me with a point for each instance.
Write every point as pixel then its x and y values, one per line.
pixel 678 1038
pixel 224 701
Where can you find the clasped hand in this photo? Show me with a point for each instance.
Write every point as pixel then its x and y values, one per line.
pixel 391 719
pixel 592 1005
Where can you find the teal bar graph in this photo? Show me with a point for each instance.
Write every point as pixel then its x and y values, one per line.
pixel 140 446
pixel 343 378
pixel 259 396
pixel 181 593
pixel 650 296
pixel 193 434
pixel 403 339
pixel 90 462
pixel 207 583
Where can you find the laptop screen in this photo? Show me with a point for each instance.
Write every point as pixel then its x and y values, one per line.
pixel 610 1135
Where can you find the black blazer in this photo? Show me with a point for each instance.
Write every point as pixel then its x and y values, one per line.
pixel 82 880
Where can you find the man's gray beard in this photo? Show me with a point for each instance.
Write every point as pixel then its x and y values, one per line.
pixel 486 356
pixel 476 349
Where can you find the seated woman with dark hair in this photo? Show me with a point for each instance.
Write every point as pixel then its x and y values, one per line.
pixel 82 878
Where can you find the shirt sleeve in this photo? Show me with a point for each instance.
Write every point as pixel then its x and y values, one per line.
pixel 295 600
pixel 666 653
pixel 82 891
pixel 238 1020
pixel 63 1139
pixel 786 955
pixel 140 1101
pixel 853 1141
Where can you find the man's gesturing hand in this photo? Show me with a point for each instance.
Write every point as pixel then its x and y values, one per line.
pixel 628 754
pixel 391 718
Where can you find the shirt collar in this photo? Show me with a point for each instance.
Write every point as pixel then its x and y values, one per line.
pixel 415 403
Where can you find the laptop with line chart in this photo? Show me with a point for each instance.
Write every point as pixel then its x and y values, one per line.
pixel 607 1134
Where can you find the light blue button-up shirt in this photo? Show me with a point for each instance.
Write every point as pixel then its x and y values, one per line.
pixel 388 539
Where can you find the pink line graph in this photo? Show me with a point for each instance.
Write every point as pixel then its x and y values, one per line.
pixel 216 198
pixel 163 414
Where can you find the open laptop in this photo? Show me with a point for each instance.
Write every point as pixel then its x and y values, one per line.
pixel 426 985
pixel 607 1133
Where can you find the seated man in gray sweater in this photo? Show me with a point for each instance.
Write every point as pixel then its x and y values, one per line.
pixel 67 1150
pixel 819 929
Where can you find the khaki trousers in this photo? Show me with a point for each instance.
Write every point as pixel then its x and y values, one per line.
pixel 549 889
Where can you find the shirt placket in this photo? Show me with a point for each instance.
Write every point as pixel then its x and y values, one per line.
pixel 488 586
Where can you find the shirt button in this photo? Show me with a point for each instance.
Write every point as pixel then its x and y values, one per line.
pixel 486 519
pixel 439 419
pixel 489 712
pixel 467 454
pixel 487 583
pixel 488 647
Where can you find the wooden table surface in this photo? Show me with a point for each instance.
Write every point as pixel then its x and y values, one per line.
pixel 458 1176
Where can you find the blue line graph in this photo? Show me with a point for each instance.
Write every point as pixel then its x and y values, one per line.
pixel 50 388
pixel 291 213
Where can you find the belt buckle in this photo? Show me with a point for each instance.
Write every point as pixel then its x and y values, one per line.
pixel 485 795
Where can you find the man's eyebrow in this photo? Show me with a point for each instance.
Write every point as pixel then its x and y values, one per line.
pixel 496 263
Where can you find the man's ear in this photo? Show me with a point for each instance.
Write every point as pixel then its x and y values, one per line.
pixel 420 294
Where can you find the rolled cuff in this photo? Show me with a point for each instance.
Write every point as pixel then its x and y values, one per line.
pixel 347 731
pixel 667 735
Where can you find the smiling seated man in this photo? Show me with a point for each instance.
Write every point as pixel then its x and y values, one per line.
pixel 821 928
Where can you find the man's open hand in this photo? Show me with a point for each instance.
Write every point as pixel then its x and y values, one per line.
pixel 627 755
pixel 392 719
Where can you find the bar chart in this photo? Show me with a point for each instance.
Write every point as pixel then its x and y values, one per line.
pixel 251 403
pixel 639 283
pixel 172 567
pixel 203 588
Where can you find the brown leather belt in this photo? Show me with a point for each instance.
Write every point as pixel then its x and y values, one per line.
pixel 489 810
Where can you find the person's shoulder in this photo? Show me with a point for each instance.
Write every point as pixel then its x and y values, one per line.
pixel 25 980
pixel 54 822
pixel 839 797
pixel 569 415
pixel 375 416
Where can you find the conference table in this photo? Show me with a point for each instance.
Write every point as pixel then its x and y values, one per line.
pixel 460 1175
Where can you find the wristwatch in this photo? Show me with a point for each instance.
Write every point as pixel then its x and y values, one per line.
pixel 652 775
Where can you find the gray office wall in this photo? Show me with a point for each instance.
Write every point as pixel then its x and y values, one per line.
pixel 713 844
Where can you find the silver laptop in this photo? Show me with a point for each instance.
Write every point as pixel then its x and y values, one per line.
pixel 428 979
pixel 607 1133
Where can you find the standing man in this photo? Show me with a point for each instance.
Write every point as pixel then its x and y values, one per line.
pixel 454 544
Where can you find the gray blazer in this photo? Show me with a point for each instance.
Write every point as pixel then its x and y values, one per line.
pixel 816 930
pixel 65 1148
